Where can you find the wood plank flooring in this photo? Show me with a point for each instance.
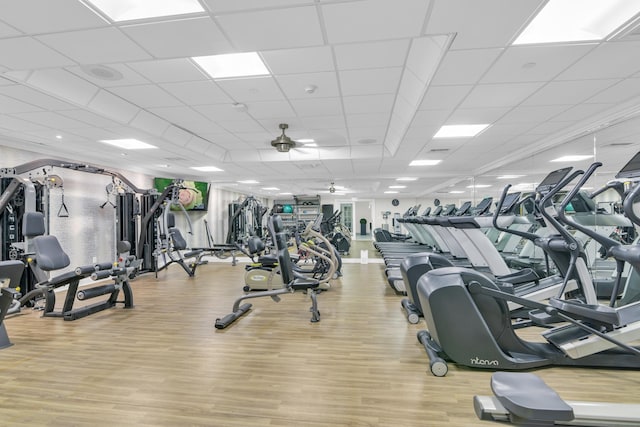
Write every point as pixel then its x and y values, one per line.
pixel 163 363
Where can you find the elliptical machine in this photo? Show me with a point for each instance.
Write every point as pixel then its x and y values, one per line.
pixel 594 335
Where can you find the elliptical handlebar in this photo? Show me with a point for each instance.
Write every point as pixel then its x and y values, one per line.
pixel 605 241
pixel 627 205
pixel 556 224
pixel 496 214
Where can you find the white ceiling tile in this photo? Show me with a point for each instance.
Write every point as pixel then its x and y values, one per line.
pixel 270 109
pixel 462 67
pixel 45 16
pixel 16 124
pixel 383 54
pixel 367 120
pixel 499 95
pixel 24 53
pixel 246 125
pixel 168 70
pixel 259 30
pixel 581 112
pixel 220 113
pixel 32 96
pixel 608 60
pixel 181 114
pixel 375 133
pixel 317 106
pixel 293 85
pixel 180 38
pixel 63 84
pixel 6 82
pixel 618 93
pixel 199 127
pixel 177 136
pixel 7 31
pixel 146 96
pixel 323 122
pixel 429 118
pixel 96 134
pixel 251 89
pixel 534 63
pixel 233 5
pixel 149 123
pixel 94 74
pixel 477 115
pixel 368 103
pixel 51 119
pixel 11 105
pixel 525 114
pixel 548 128
pixel 568 92
pixel 369 82
pixel 89 118
pixel 444 97
pixel 197 92
pixel 345 22
pixel 98 46
pixel 489 23
pixel 109 105
pixel 300 60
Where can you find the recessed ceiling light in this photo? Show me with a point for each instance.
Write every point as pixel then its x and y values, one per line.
pixel 456 192
pixel 510 176
pixel 127 10
pixel 206 168
pixel 390 192
pixel 285 194
pixel 271 188
pixel 424 162
pixel 162 166
pixel 306 140
pixel 406 178
pixel 397 186
pixel 128 144
pixel 232 65
pixel 573 158
pixel 577 20
pixel 479 186
pixel 249 181
pixel 460 131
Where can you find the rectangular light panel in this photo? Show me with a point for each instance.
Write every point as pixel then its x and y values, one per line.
pixel 578 20
pixel 460 131
pixel 574 158
pixel 424 162
pixel 206 168
pixel 232 65
pixel 128 10
pixel 128 144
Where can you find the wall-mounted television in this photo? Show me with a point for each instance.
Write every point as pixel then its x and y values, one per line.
pixel 194 196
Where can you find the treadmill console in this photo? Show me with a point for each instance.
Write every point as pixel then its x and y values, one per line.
pixel 509 202
pixel 631 169
pixel 552 180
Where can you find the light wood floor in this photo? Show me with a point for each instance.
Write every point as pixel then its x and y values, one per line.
pixel 163 363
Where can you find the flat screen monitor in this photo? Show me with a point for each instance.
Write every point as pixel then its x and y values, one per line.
pixel 483 207
pixel 552 180
pixel 509 202
pixel 193 196
pixel 631 169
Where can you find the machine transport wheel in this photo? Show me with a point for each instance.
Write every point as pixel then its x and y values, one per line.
pixel 439 368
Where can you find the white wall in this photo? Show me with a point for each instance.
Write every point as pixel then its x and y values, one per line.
pixel 89 231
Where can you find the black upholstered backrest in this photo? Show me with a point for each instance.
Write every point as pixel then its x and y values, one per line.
pixel 10 273
pixel 280 240
pixel 255 245
pixel 179 242
pixel 49 254
pixel 33 224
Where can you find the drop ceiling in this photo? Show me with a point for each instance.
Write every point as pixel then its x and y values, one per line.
pixel 386 75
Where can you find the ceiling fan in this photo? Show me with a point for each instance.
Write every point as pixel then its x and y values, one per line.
pixel 283 143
